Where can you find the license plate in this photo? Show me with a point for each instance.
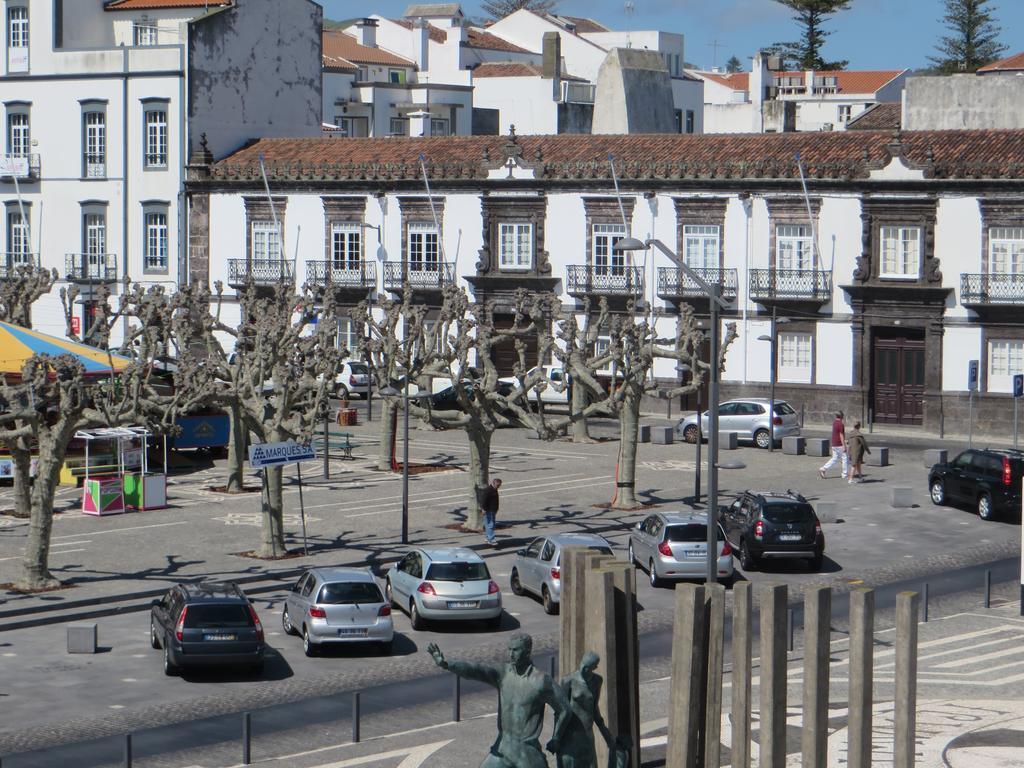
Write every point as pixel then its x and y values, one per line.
pixel 694 553
pixel 342 632
pixel 462 604
pixel 790 537
pixel 214 638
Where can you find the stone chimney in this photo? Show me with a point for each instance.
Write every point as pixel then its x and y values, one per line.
pixel 367 32
pixel 421 44
pixel 761 80
pixel 552 62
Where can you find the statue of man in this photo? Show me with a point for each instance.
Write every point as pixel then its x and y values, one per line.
pixel 523 690
pixel 574 744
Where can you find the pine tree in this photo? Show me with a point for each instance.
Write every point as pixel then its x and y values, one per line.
pixel 733 65
pixel 811 15
pixel 973 41
pixel 499 9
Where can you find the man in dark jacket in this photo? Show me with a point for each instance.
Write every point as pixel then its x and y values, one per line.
pixel 489 506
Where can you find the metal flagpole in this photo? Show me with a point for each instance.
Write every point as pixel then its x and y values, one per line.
pixel 433 211
pixel 302 510
pixel 273 211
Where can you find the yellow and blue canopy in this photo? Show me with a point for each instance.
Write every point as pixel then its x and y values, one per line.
pixel 18 344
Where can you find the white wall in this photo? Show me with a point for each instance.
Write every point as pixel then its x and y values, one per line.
pixel 959 344
pixel 958 236
pixel 834 354
pixel 526 29
pixel 522 101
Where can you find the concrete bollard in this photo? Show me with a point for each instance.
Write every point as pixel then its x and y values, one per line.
pixel 933 456
pixel 662 435
pixel 728 441
pixel 82 638
pixel 794 446
pixel 879 457
pixel 827 511
pixel 819 446
pixel 901 498
pixel 772 600
pixel 645 433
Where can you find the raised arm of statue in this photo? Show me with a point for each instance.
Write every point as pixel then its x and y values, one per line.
pixel 467 669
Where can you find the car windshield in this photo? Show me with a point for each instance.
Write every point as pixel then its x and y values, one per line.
pixel 458 572
pixel 691 532
pixel 226 615
pixel 786 513
pixel 355 592
pixel 784 409
pixel 359 369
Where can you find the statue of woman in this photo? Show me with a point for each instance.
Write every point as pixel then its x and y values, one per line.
pixel 574 744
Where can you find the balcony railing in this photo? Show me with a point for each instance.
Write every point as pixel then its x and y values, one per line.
pixel 578 93
pixel 424 276
pixel 11 262
pixel 90 267
pixel 673 283
pixel 586 279
pixel 811 285
pixel 337 275
pixel 989 288
pixel 260 271
pixel 19 167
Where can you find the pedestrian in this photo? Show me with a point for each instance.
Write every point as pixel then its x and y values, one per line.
pixel 489 505
pixel 838 445
pixel 857 445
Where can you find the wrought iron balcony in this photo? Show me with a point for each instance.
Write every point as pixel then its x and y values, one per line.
pixel 10 263
pixel 260 271
pixel 790 285
pixel 421 276
pixel 588 280
pixel 990 289
pixel 90 267
pixel 21 167
pixel 673 283
pixel 342 276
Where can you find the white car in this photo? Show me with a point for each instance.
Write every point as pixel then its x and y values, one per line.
pixel 353 378
pixel 552 392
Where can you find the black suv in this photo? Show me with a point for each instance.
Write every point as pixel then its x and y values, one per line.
pixel 206 624
pixel 763 525
pixel 988 480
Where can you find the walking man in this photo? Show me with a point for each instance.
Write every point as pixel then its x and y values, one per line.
pixel 838 447
pixel 489 505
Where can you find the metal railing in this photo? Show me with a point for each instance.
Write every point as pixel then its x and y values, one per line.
pixel 673 283
pixel 260 271
pixel 341 275
pixel 585 279
pixel 11 262
pixel 95 166
pixel 991 288
pixel 19 166
pixel 421 276
pixel 578 93
pixel 90 267
pixel 791 284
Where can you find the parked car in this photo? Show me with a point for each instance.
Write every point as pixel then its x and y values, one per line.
pixel 747 418
pixel 674 545
pixel 545 392
pixel 537 568
pixel 352 378
pixel 207 624
pixel 448 399
pixel 447 584
pixel 988 480
pixel 337 606
pixel 763 525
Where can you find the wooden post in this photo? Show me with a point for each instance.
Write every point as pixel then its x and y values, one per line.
pixel 906 679
pixel 686 693
pixel 773 676
pixel 741 669
pixel 714 614
pixel 862 628
pixel 817 620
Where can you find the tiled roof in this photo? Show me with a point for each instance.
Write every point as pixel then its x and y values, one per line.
pixel 878 117
pixel 341 46
pixel 584 25
pixel 514 69
pixel 146 5
pixel 436 34
pixel 738 81
pixel 475 38
pixel 1009 64
pixel 434 9
pixel 854 81
pixel 834 155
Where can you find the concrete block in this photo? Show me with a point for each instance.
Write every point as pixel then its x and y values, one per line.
pixel 819 446
pixel 82 638
pixel 827 512
pixel 645 433
pixel 662 435
pixel 934 456
pixel 901 497
pixel 879 457
pixel 728 441
pixel 794 446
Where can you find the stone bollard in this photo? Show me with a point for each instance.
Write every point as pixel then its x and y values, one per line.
pixel 576 561
pixel 933 456
pixel 826 511
pixel 879 457
pixel 82 638
pixel 662 435
pixel 901 498
pixel 644 435
pixel 688 664
pixel 742 630
pixel 728 441
pixel 772 738
pixel 819 446
pixel 817 637
pixel 794 446
pixel 862 629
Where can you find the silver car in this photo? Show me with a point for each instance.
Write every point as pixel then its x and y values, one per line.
pixel 748 419
pixel 673 545
pixel 449 584
pixel 330 606
pixel 537 568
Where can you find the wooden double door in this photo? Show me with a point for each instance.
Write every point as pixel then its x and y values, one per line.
pixel 504 353
pixel 898 377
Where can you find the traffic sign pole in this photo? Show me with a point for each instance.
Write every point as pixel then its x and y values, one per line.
pixel 972 387
pixel 302 510
pixel 1018 392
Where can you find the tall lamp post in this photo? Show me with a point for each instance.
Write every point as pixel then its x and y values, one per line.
pixel 406 397
pixel 716 302
pixel 774 339
pixel 381 257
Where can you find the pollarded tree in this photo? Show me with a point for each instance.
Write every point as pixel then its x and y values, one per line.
pixel 973 41
pixel 811 16
pixel 21 289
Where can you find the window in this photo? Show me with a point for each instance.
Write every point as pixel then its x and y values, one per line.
pixel 605 259
pixel 399 126
pixel 901 252
pixel 515 246
pixel 353 127
pixel 795 357
pixel 266 242
pixel 396 76
pixel 348 335
pixel 17 38
pixel 700 246
pixel 601 346
pixel 19 138
pixel 18 240
pixel 156 136
pixel 1005 358
pixel 95 225
pixel 689 121
pixel 155 247
pixel 95 159
pixel 1006 250
pixel 439 126
pixel 793 247
pixel 145 33
pixel 362 75
pixel 346 246
pixel 423 247
pixel 844 113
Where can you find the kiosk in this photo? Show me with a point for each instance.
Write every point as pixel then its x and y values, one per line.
pixel 128 484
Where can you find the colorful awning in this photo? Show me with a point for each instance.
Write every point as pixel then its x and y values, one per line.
pixel 18 344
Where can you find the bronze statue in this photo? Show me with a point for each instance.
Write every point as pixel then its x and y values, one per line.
pixel 523 690
pixel 573 745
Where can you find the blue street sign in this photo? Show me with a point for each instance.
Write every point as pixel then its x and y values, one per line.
pixel 972 375
pixel 1018 385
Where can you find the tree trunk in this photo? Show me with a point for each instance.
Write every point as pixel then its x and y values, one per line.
pixel 272 522
pixel 36 562
pixel 479 474
pixel 237 449
pixel 388 429
pixel 629 424
pixel 577 402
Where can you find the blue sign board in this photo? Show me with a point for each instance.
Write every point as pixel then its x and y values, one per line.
pixel 972 375
pixel 274 454
pixel 203 431
pixel 1018 385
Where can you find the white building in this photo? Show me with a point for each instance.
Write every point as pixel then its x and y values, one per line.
pixel 103 104
pixel 910 263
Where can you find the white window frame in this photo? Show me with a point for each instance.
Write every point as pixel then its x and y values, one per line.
pixel 1006 251
pixel 19 238
pixel 795 357
pixel 95 226
pixel 17 38
pixel 794 247
pixel 440 126
pixel 347 123
pixel 19 134
pixel 362 74
pixel 1005 358
pixel 266 243
pixel 346 245
pixel 515 246
pixel 701 245
pixel 899 252
pixel 156 253
pixel 145 33
pixel 843 114
pixel 155 137
pixel 94 133
pixel 604 258
pixel 423 247
pixel 400 122
pixel 601 345
pixel 348 335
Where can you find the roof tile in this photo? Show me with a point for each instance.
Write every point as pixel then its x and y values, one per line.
pixel 878 117
pixel 342 46
pixel 514 69
pixel 1013 63
pixel 146 5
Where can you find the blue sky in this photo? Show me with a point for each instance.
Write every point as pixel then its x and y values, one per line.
pixel 873 34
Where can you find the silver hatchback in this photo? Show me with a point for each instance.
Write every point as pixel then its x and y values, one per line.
pixel 748 419
pixel 537 568
pixel 673 545
pixel 329 606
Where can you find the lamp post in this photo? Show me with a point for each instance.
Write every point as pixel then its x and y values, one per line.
pixel 381 257
pixel 406 397
pixel 714 293
pixel 773 338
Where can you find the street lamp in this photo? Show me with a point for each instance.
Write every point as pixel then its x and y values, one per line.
pixel 390 391
pixel 381 257
pixel 773 338
pixel 716 302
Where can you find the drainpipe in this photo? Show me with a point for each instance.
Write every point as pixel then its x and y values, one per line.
pixel 126 174
pixel 184 142
pixel 748 211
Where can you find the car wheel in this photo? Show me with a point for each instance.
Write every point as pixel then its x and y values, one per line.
pixel 550 606
pixel 170 668
pixel 761 438
pixel 308 647
pixel 154 640
pixel 817 562
pixel 632 557
pixel 985 509
pixel 417 621
pixel 655 581
pixel 341 392
pixel 690 433
pixel 938 492
pixel 517 588
pixel 747 561
pixel 389 594
pixel 286 622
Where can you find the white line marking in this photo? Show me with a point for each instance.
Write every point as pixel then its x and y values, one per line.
pixel 414 756
pixel 976 659
pixel 71 543
pixel 121 530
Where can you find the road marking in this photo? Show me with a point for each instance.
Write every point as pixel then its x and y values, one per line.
pixel 121 530
pixel 255 519
pixel 984 657
pixel 67 551
pixel 413 756
pixel 71 543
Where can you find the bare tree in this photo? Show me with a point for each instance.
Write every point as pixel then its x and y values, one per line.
pixel 21 290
